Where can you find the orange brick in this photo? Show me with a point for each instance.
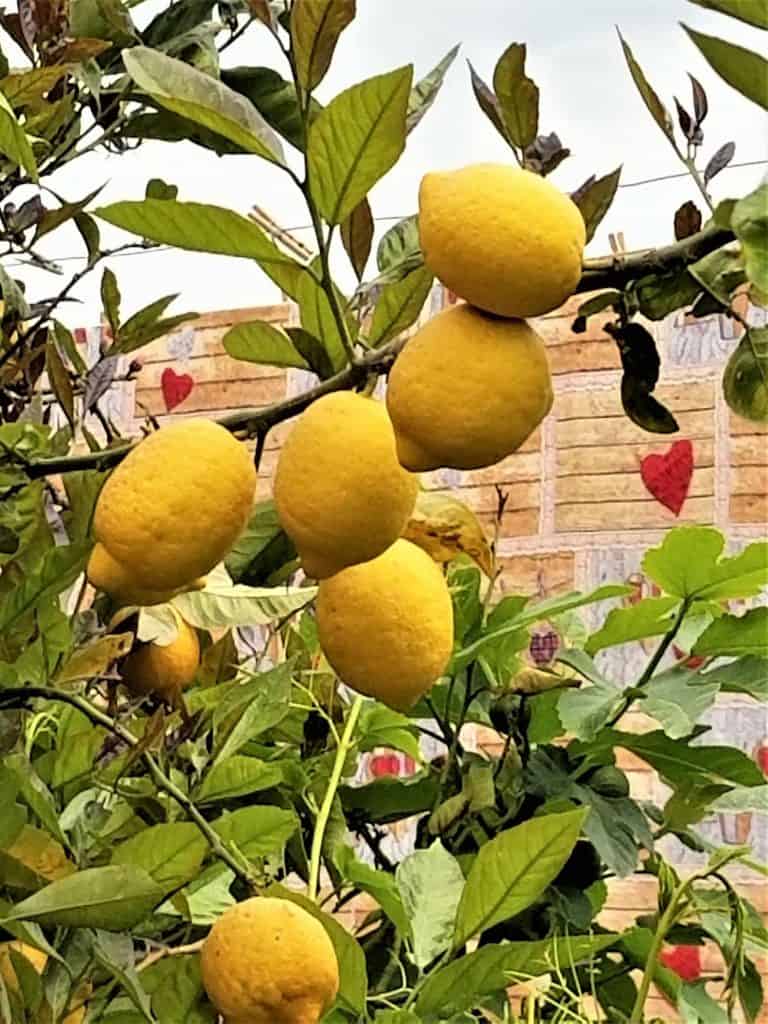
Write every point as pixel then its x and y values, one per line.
pixel 749 480
pixel 627 486
pixel 749 508
pixel 685 396
pixel 624 458
pixel 583 357
pixel 216 396
pixel 529 574
pixel 630 515
pixel 619 430
pixel 742 426
pixel 208 368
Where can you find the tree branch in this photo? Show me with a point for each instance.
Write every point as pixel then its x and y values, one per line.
pixel 617 271
pixel 11 695
pixel 614 272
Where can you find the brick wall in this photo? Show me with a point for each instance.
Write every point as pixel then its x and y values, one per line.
pixel 578 513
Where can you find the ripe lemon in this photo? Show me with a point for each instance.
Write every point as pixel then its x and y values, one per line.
pixel 268 961
pixel 114 579
pixel 504 239
pixel 467 390
pixel 164 670
pixel 174 507
pixel 386 626
pixel 341 494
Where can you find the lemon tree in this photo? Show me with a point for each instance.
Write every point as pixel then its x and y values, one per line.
pixel 191 670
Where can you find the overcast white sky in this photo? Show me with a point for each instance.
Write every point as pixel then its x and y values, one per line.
pixel 587 97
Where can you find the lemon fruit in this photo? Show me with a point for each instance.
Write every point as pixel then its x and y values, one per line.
pixel 268 961
pixel 164 670
pixel 386 626
pixel 176 504
pixel 467 390
pixel 341 494
pixel 504 239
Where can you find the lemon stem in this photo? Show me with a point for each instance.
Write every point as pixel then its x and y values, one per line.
pixel 330 794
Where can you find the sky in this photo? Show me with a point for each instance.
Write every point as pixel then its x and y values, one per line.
pixel 587 97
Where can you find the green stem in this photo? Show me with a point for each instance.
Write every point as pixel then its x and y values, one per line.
pixel 161 779
pixel 693 170
pixel 330 795
pixel 665 924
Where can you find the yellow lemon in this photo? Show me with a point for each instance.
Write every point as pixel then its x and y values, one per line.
pixel 114 579
pixel 386 626
pixel 175 505
pixel 164 670
pixel 467 390
pixel 341 494
pixel 504 239
pixel 268 961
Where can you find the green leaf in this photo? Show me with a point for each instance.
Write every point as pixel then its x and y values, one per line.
pixel 431 884
pixel 357 237
pixel 238 776
pixel 425 91
pixel 172 854
pixel 223 603
pixel 677 700
pixel 688 563
pixel 594 199
pixel 59 569
pixel 110 299
pixel 720 273
pixel 115 898
pixel 262 548
pixel 617 828
pixel 390 799
pixel 353 987
pixel 315 29
pixel 318 320
pixel 312 350
pixel 378 884
pixel 680 764
pixel 260 342
pixel 511 871
pixel 585 711
pixel 114 954
pixel 380 726
pixel 749 220
pixel 60 381
pixel 745 675
pixel 35 794
pixel 248 710
pixel 183 90
pixel 542 611
pixel 199 227
pixel 696 1005
pixel 649 617
pixel 274 98
pixel 400 244
pixel 518 96
pixel 735 636
pixel 260 831
pixel 399 306
pixel 745 379
pixel 753 12
pixel 176 987
pixel 655 107
pixel 356 140
pixel 744 798
pixel 14 142
pixel 460 985
pixel 488 102
pixel 744 70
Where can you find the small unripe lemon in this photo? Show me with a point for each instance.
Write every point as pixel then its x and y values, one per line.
pixel 504 239
pixel 164 670
pixel 341 494
pixel 268 961
pixel 467 390
pixel 176 504
pixel 114 579
pixel 386 626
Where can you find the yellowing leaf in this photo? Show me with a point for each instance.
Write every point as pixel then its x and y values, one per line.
pixel 95 658
pixel 33 859
pixel 444 527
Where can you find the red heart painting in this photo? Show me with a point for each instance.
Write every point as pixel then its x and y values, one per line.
pixel 176 387
pixel 668 476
